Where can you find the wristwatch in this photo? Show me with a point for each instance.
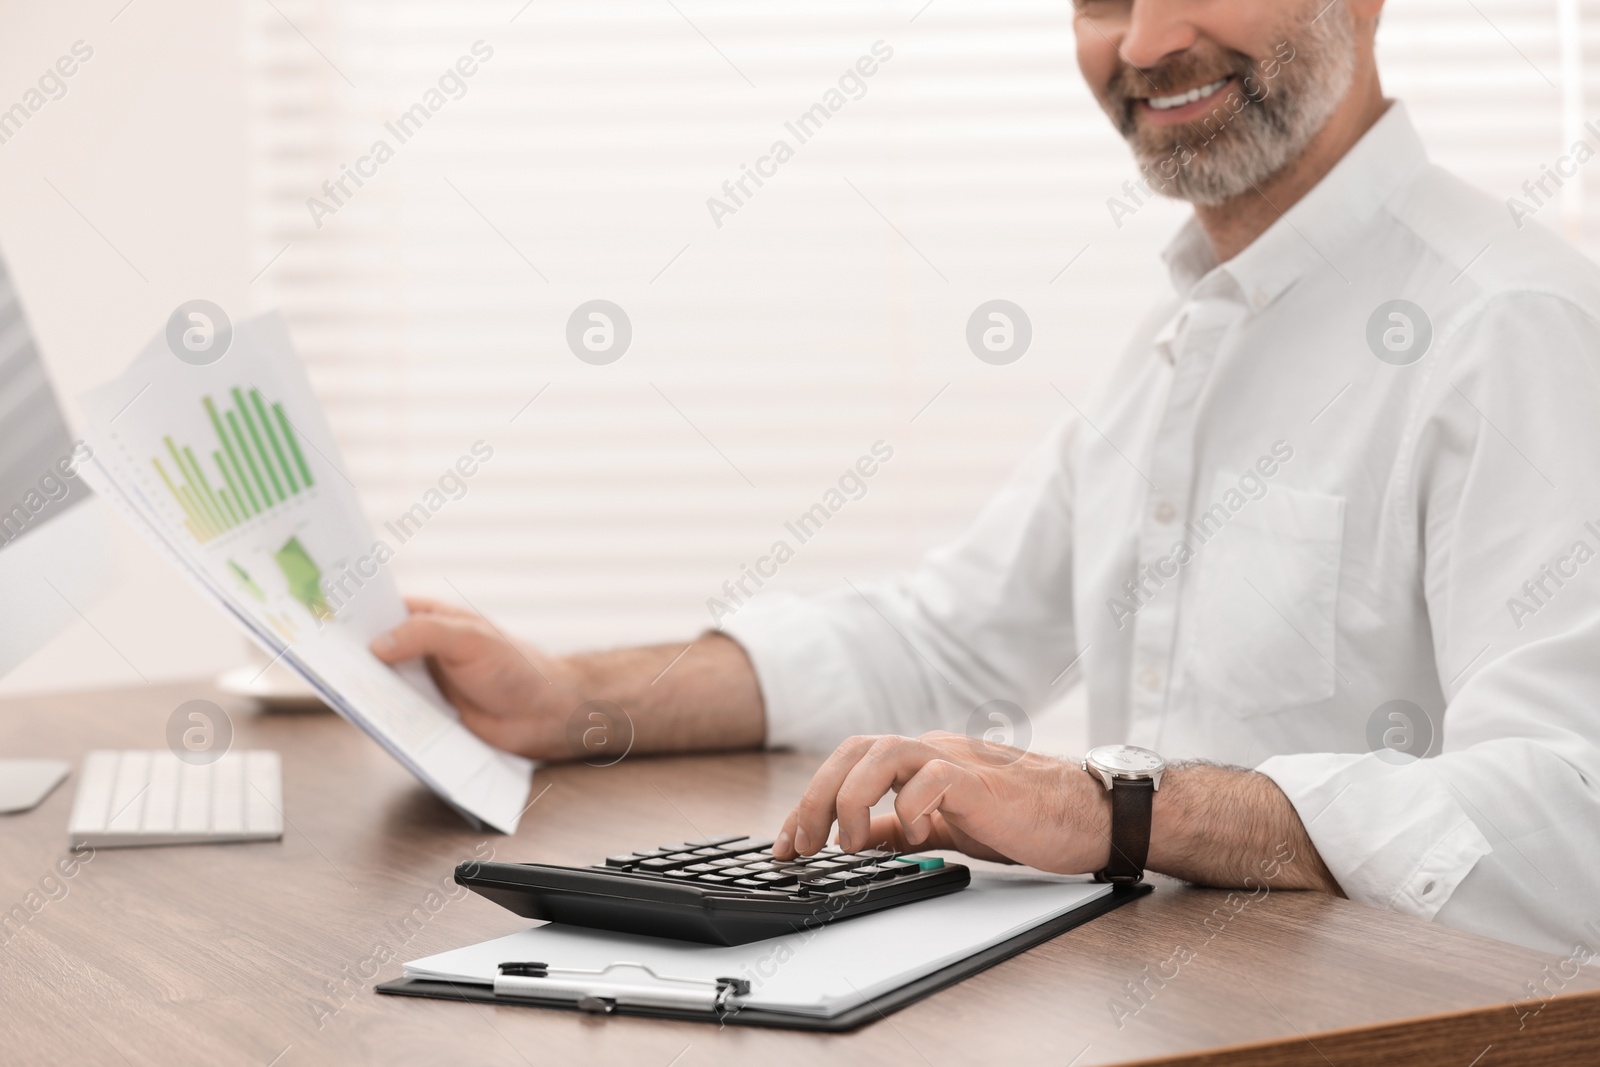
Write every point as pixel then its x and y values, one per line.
pixel 1132 775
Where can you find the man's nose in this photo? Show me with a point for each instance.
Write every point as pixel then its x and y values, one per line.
pixel 1157 29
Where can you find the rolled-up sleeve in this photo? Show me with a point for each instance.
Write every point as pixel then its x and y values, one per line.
pixel 986 618
pixel 1497 832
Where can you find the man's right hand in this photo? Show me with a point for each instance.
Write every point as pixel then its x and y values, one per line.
pixel 508 693
pixel 702 696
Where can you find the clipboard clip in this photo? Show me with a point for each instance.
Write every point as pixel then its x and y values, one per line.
pixel 622 983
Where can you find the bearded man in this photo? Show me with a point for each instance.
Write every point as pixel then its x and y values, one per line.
pixel 1323 542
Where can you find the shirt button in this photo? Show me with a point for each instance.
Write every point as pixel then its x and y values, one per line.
pixel 1259 299
pixel 1150 680
pixel 1165 512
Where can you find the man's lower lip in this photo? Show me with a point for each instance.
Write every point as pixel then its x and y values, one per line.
pixel 1186 113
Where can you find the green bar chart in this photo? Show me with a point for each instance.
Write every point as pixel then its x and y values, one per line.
pixel 255 464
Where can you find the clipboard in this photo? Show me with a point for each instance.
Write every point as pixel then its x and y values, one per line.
pixel 619 991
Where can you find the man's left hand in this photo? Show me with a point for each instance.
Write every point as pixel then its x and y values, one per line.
pixel 951 791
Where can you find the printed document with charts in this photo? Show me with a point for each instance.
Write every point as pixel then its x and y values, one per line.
pixel 226 462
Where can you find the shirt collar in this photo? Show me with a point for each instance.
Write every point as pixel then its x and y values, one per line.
pixel 1315 228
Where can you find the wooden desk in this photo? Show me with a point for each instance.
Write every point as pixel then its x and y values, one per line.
pixel 266 953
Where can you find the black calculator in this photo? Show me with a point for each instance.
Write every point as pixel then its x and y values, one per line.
pixel 720 891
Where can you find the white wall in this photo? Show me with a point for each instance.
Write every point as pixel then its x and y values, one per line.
pixel 148 143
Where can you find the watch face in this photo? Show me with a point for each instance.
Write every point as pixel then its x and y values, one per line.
pixel 1128 760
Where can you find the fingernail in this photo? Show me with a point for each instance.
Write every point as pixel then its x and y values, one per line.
pixel 782 843
pixel 918 828
pixel 802 841
pixel 383 643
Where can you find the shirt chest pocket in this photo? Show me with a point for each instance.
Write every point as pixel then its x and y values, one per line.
pixel 1264 633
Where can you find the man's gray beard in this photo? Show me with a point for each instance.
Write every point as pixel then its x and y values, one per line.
pixel 1268 133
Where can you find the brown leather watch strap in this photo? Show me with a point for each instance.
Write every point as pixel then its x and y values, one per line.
pixel 1131 801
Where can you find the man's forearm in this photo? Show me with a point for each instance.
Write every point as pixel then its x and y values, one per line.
pixel 701 698
pixel 1218 826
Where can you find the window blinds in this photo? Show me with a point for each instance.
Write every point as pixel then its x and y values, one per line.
pixel 780 329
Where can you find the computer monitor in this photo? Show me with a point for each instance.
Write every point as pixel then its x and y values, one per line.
pixel 56 553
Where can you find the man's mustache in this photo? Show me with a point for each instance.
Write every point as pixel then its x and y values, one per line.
pixel 1182 72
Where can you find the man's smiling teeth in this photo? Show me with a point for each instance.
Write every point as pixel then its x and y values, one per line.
pixel 1167 103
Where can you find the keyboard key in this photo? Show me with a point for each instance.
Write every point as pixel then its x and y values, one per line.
pixel 161 803
pixel 127 796
pixel 263 798
pixel 92 806
pixel 227 796
pixel 194 799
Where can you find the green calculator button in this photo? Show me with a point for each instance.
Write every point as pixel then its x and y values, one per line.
pixel 926 863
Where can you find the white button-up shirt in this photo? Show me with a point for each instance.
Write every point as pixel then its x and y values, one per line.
pixel 1296 504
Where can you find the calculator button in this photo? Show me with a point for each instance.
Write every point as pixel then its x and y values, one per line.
pixel 725 839
pixel 621 861
pixel 876 854
pixel 701 868
pixel 681 846
pixel 749 883
pixel 664 863
pixel 831 884
pixel 680 873
pixel 715 879
pixel 775 878
pixel 828 866
pixel 881 874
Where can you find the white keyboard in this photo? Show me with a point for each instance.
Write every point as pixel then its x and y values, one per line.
pixel 154 798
